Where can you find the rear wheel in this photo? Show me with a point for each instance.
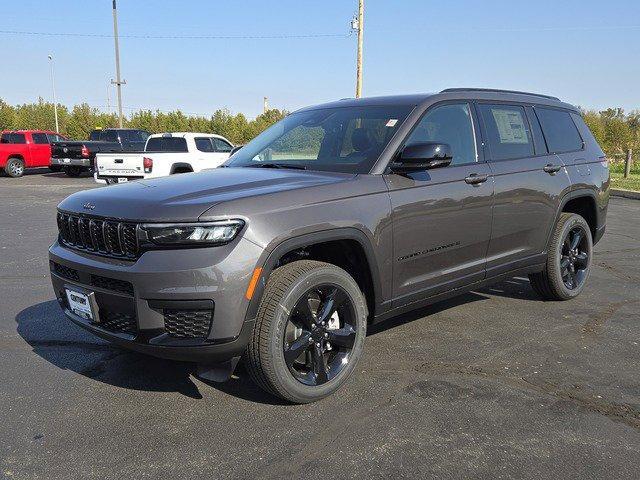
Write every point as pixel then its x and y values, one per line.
pixel 568 262
pixel 73 171
pixel 309 332
pixel 14 167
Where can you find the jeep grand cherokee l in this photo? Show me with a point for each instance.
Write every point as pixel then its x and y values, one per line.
pixel 339 216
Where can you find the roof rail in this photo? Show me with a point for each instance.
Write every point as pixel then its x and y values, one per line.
pixel 496 90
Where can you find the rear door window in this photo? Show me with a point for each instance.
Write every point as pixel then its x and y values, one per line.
pixel 166 144
pixel 508 131
pixel 13 138
pixel 451 124
pixel 559 130
pixel 204 144
pixel 40 138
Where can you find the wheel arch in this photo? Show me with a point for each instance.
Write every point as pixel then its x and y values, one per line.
pixel 583 202
pixel 294 248
pixel 181 166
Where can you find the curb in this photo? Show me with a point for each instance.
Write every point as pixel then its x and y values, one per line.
pixel 625 194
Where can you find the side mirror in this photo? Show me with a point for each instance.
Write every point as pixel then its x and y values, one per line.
pixel 423 156
pixel 235 149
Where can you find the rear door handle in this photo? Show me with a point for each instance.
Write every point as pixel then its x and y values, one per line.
pixel 475 179
pixel 551 168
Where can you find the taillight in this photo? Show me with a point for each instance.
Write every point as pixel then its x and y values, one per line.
pixel 85 151
pixel 147 163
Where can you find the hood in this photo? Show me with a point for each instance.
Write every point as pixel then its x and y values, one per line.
pixel 184 197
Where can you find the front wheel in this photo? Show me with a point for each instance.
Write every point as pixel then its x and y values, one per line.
pixel 309 332
pixel 568 262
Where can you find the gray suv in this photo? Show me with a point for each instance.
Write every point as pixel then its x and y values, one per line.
pixel 337 217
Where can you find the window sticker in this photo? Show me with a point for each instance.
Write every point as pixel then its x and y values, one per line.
pixel 392 122
pixel 510 125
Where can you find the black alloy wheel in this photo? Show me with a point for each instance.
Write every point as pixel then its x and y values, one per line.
pixel 574 261
pixel 320 335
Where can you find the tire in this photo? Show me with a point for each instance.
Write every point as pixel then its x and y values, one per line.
pixel 271 353
pixel 567 269
pixel 55 168
pixel 73 171
pixel 111 181
pixel 14 167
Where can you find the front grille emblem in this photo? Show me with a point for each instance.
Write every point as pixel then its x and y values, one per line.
pixel 65 149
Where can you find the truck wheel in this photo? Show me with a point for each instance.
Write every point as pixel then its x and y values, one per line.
pixel 309 332
pixel 568 262
pixel 55 168
pixel 14 167
pixel 73 171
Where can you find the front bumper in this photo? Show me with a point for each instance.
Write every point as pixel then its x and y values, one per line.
pixel 134 302
pixel 71 162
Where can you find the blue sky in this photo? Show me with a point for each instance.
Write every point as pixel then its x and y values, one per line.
pixel 586 52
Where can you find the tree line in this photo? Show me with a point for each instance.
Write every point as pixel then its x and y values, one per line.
pixel 81 119
pixel 615 130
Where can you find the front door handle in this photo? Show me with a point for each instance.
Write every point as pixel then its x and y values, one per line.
pixel 550 168
pixel 475 179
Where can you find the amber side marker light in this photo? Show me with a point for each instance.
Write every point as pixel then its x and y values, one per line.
pixel 252 284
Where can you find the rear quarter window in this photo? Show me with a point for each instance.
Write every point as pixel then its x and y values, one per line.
pixel 559 130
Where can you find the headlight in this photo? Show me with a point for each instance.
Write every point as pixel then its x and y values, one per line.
pixel 210 233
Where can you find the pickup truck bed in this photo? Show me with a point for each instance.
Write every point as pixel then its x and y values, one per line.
pixel 78 156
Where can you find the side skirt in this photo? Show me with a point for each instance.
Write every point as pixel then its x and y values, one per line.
pixel 456 291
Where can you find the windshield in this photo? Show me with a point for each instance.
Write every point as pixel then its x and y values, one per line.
pixel 343 139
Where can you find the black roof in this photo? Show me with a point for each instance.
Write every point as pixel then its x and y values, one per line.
pixel 471 93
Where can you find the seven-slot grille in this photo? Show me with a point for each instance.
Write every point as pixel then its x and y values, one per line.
pixel 107 237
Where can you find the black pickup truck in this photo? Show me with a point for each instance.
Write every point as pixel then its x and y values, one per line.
pixel 76 156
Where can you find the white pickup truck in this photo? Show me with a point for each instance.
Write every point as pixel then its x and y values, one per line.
pixel 164 154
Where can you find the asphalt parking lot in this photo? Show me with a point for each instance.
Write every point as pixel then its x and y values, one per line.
pixel 493 384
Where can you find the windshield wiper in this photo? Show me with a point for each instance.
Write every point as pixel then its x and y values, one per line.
pixel 278 165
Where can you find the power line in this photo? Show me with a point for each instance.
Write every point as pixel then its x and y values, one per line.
pixel 179 37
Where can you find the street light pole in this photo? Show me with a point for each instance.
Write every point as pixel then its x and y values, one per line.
pixel 55 100
pixel 117 81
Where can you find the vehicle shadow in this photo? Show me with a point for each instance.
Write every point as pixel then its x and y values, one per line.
pixel 57 340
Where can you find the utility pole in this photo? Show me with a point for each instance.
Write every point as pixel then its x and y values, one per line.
pixel 118 83
pixel 359 25
pixel 55 100
pixel 265 105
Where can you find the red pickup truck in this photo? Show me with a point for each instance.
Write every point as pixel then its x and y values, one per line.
pixel 22 149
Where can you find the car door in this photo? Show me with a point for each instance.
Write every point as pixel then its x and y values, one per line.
pixel 205 153
pixel 442 216
pixel 528 185
pixel 40 151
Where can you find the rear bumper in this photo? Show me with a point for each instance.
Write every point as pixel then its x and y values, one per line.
pixel 135 304
pixel 71 162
